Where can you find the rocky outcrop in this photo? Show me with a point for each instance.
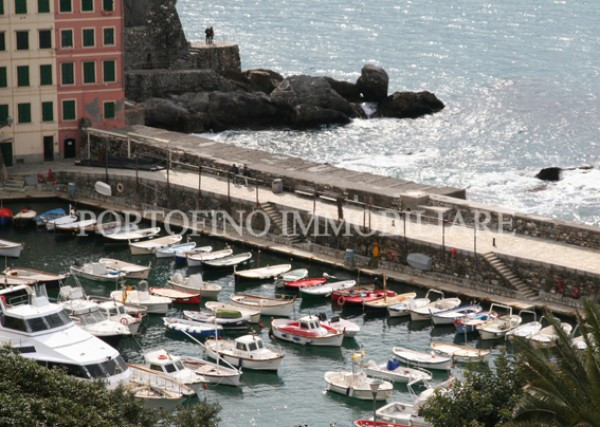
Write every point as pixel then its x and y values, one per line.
pixel 373 83
pixel 550 174
pixel 261 80
pixel 165 114
pixel 402 105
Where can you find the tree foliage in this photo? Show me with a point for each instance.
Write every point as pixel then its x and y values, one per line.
pixel 485 397
pixel 31 395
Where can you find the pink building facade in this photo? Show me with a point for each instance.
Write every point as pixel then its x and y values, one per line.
pixel 89 68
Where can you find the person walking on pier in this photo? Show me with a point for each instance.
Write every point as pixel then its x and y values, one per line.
pixel 234 171
pixel 246 173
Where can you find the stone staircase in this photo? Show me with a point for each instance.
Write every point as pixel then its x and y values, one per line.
pixel 276 218
pixel 509 276
pixel 13 184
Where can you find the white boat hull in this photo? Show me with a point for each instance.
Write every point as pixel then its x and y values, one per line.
pixel 13 251
pixel 204 292
pixel 331 341
pixel 245 363
pixel 360 393
pixel 279 311
pixel 424 360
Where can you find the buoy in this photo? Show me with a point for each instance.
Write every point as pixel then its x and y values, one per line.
pixel 120 187
pixel 124 321
pixel 341 300
pixel 162 357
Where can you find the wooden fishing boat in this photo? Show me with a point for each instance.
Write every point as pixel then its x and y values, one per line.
pixel 461 353
pixel 360 298
pixel 131 270
pixel 267 306
pixel 357 385
pixel 148 247
pixel 355 290
pixel 447 317
pixel 228 319
pixel 157 389
pixel 50 215
pixel 395 372
pixel 327 289
pixel 194 283
pixel 304 283
pixel 51 280
pixel 196 257
pixel 141 296
pixel 263 273
pixel 470 323
pixel 307 330
pixel 403 308
pixel 423 360
pixel 252 314
pixel 350 329
pixel 213 373
pixel 424 312
pixel 498 327
pixel 171 251
pixel 10 249
pixel 546 337
pixel 131 234
pixel 25 217
pixel 191 327
pixel 385 302
pixel 75 227
pixel 180 297
pixel 63 220
pixel 96 271
pixel 229 261
pixel 292 275
pixel 371 423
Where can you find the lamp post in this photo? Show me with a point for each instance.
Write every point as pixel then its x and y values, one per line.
pixel 375 384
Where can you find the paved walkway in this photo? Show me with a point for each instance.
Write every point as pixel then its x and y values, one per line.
pixel 460 237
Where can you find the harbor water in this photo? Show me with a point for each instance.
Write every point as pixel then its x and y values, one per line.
pixel 295 394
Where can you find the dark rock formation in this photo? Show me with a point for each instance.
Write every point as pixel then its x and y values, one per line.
pixel 164 113
pixel 261 80
pixel 373 83
pixel 346 89
pixel 409 105
pixel 550 174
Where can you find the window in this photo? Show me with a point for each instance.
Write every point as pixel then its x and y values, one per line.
pixel 1 7
pixel 3 78
pixel 47 111
pixel 68 110
pixel 88 37
pixel 89 72
pixel 66 38
pixel 3 112
pixel 24 113
pixel 109 37
pixel 65 6
pixel 45 39
pixel 22 40
pixel 2 42
pixel 109 110
pixel 67 73
pixel 109 71
pixel 45 75
pixel 43 6
pixel 87 5
pixel 23 75
pixel 107 5
pixel 20 6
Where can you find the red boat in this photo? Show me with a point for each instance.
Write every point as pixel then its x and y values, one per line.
pixel 304 283
pixel 180 297
pixel 369 423
pixel 6 216
pixel 360 295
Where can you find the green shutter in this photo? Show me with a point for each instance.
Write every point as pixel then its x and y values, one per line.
pixel 67 73
pixel 109 36
pixel 47 111
pixel 22 40
pixel 2 43
pixel 3 112
pixel 109 71
pixel 89 72
pixel 66 38
pixel 24 113
pixel 1 7
pixel 109 110
pixel 68 108
pixel 43 6
pixel 65 6
pixel 3 78
pixel 23 75
pixel 87 5
pixel 107 5
pixel 88 37
pixel 45 75
pixel 45 39
pixel 20 6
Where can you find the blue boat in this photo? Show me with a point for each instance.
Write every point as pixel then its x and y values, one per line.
pixel 469 324
pixel 191 327
pixel 50 215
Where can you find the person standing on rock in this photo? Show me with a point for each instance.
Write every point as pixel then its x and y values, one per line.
pixel 207 35
pixel 212 34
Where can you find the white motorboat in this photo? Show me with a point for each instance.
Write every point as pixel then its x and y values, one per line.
pixel 546 337
pixel 356 385
pixel 131 270
pixel 96 271
pixel 147 247
pixel 141 296
pixel 195 258
pixel 267 306
pixel 461 353
pixel 525 330
pixel 43 332
pixel 127 234
pixel 228 319
pixel 403 308
pixel 63 220
pixel 172 365
pixel 227 262
pixel 157 389
pixel 423 360
pixel 51 280
pixel 579 342
pixel 75 227
pixel 385 302
pixel 327 288
pixel 10 249
pixel 293 275
pixel 263 273
pixel 247 351
pixel 395 372
pixel 401 414
pixel 424 312
pixel 252 314
pixel 88 316
pixel 117 312
pixel 447 317
pixel 213 373
pixel 134 310
pixel 171 251
pixel 194 283
pixel 499 326
pixel 350 329
pixel 43 218
pixel 307 330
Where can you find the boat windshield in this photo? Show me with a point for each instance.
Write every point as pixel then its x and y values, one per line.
pixel 259 344
pixel 100 370
pixel 252 346
pixel 170 368
pixel 91 318
pixel 240 346
pixel 179 365
pixel 36 324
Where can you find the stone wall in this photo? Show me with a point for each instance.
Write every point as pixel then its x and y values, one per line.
pixel 522 223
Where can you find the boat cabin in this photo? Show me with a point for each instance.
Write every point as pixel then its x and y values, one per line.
pixel 162 361
pixel 249 343
pixel 309 322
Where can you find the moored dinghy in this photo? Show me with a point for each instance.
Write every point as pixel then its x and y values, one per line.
pixel 75 227
pixel 267 306
pixel 126 234
pixel 171 251
pixel 447 317
pixel 96 271
pixel 403 308
pixel 141 296
pixel 172 365
pixel 157 389
pixel 461 353
pixel 190 327
pixel 51 280
pixel 180 297
pixel 395 372
pixel 229 261
pixel 292 275
pixel 24 217
pixel 196 257
pixel 526 330
pixel 228 319
pixel 50 215
pixel 547 336
pixel 213 373
pixel 425 312
pixel 350 329
pixel 194 283
pixel 328 288
pixel 263 273
pixel 385 302
pixel 425 360
pixel 356 384
pixel 10 249
pixel 131 271
pixel 148 247
pixel 252 314
pixel 499 326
